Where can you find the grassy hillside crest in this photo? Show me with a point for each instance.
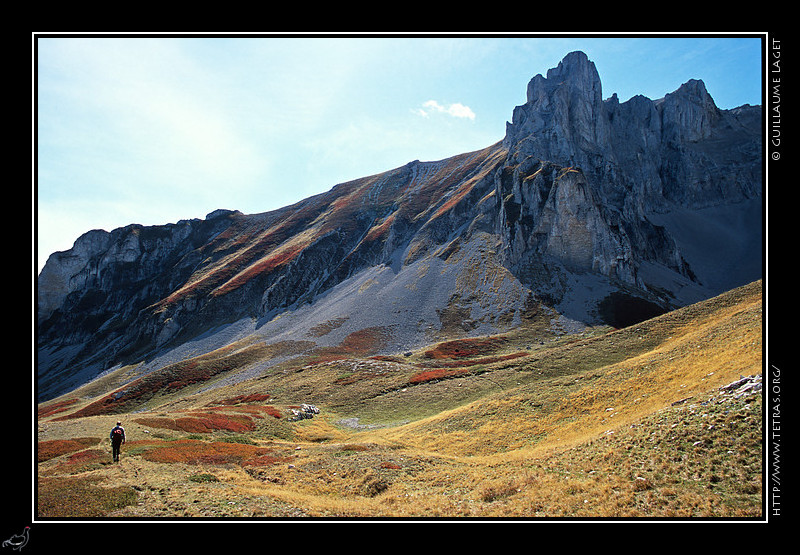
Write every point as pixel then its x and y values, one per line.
pixel 631 422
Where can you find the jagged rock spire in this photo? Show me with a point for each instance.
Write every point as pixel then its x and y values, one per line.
pixel 634 151
pixel 576 72
pixel 688 114
pixel 564 113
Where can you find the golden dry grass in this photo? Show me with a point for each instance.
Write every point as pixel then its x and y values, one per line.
pixel 696 356
pixel 626 424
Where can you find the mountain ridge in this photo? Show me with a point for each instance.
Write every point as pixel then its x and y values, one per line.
pixel 573 212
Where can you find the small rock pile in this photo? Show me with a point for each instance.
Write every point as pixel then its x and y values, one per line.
pixel 745 385
pixel 304 412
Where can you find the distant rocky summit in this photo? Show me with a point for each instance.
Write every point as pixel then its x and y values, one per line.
pixel 589 211
pixel 636 177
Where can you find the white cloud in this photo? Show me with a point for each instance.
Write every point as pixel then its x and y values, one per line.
pixel 456 110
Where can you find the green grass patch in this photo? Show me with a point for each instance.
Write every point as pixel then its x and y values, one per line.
pixel 203 478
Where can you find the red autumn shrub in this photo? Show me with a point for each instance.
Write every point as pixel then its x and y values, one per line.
pixel 192 451
pixel 255 411
pixel 46 450
pixel 386 358
pixel 465 348
pixel 200 422
pixel 357 344
pixel 157 422
pixel 434 374
pixel 84 460
pixel 170 379
pixel 87 455
pixel 474 362
pixel 272 411
pixel 228 422
pixel 279 257
pixel 61 406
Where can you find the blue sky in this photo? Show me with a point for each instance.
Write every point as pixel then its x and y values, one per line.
pixel 160 129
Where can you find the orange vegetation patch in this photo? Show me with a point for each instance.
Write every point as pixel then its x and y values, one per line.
pixel 475 361
pixel 169 380
pixel 358 344
pixel 380 230
pixel 212 419
pixel 191 451
pixel 280 257
pixel 244 250
pixel 84 460
pixel 457 197
pixel 482 163
pixel 466 348
pixel 441 370
pixel 430 185
pixel 46 450
pixel 105 405
pixel 347 199
pixel 86 456
pixel 55 408
pixel 200 423
pixel 255 411
pixel 435 374
pixel 364 341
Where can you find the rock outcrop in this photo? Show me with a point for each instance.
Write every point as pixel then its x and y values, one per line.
pixel 584 201
pixel 587 179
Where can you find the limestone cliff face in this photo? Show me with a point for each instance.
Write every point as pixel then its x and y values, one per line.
pixel 582 197
pixel 551 214
pixel 643 155
pixel 585 177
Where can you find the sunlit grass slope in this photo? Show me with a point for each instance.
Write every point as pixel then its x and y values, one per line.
pixel 574 392
pixel 610 423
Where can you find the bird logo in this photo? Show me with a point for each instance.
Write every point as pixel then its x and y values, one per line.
pixel 18 541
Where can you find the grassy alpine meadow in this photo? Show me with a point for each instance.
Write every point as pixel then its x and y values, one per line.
pixel 662 419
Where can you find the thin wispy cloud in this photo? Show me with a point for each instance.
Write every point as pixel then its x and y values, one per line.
pixel 456 110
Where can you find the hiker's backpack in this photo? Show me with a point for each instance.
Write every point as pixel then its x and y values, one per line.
pixel 117 434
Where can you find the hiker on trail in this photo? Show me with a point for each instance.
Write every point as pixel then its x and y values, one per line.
pixel 117 439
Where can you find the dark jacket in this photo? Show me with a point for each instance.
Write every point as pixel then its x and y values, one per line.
pixel 118 427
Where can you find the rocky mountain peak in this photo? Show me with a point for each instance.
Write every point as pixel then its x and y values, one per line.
pixel 564 112
pixel 688 114
pixel 578 72
pixel 694 89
